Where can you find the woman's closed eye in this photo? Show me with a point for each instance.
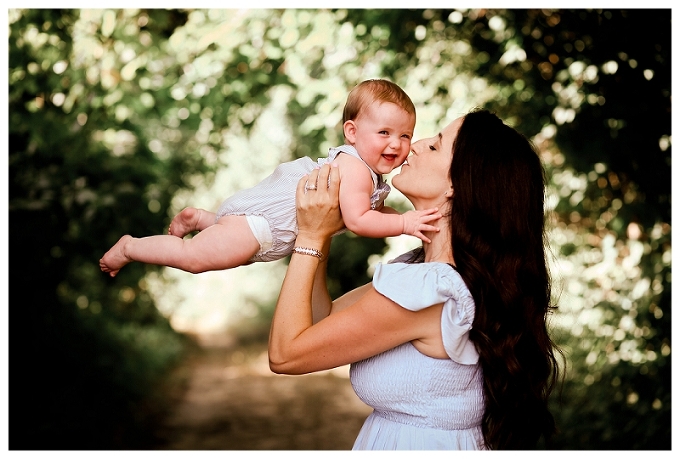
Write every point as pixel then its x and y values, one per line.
pixel 433 147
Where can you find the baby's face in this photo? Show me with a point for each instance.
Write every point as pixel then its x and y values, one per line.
pixel 383 136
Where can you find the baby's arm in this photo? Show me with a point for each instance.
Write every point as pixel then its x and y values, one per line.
pixel 356 187
pixel 388 210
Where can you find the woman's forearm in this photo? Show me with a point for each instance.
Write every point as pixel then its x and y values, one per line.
pixel 321 299
pixel 293 313
pixel 319 217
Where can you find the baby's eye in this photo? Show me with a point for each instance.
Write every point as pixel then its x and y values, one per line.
pixel 406 136
pixel 432 148
pixel 383 132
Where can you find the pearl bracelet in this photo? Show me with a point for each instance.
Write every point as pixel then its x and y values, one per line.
pixel 308 251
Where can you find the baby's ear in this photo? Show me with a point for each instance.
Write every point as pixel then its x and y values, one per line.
pixel 350 131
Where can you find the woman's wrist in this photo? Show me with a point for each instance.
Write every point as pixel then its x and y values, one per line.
pixel 308 251
pixel 310 241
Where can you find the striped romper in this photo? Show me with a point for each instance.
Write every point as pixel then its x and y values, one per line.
pixel 274 200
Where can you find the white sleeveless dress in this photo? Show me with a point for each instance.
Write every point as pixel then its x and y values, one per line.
pixel 419 402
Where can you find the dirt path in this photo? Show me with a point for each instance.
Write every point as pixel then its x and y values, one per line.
pixel 231 401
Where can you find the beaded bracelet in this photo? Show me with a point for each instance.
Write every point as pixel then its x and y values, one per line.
pixel 308 251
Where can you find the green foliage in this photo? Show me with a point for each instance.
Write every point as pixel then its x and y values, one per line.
pixel 81 173
pixel 113 113
pixel 349 267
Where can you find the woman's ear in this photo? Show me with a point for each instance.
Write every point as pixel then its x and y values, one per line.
pixel 449 193
pixel 350 131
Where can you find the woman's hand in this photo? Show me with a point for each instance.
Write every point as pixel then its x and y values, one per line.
pixel 318 206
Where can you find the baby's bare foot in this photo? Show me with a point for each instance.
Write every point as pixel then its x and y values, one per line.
pixel 184 222
pixel 115 258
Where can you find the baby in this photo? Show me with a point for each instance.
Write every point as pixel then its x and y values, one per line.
pixel 259 223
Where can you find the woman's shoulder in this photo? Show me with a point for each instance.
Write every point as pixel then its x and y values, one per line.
pixel 419 285
pixel 412 256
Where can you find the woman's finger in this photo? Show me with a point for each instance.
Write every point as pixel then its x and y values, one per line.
pixel 322 179
pixel 327 174
pixel 302 183
pixel 334 181
pixel 312 180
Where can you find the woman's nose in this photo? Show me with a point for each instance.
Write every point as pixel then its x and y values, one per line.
pixel 415 146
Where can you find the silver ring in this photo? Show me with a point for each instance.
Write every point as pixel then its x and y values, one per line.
pixel 310 187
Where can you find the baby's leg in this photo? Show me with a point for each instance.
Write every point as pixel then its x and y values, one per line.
pixel 189 220
pixel 227 244
pixel 116 257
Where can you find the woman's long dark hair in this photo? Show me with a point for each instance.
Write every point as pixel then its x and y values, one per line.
pixel 498 239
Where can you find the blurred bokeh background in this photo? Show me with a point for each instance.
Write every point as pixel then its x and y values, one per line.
pixel 119 118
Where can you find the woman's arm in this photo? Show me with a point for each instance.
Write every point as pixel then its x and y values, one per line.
pixel 350 297
pixel 322 306
pixel 366 327
pixel 306 279
pixel 321 299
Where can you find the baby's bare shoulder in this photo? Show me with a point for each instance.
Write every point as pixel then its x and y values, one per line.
pixel 352 166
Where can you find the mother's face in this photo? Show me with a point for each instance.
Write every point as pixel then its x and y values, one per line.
pixel 424 177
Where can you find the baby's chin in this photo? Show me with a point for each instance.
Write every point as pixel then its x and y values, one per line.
pixel 398 169
pixel 383 170
pixel 389 170
pixel 395 180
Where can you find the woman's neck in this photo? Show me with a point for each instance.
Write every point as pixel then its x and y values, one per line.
pixel 439 250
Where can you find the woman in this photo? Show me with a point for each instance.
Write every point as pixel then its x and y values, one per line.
pixel 451 348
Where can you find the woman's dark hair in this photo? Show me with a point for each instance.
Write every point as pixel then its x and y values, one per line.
pixel 499 246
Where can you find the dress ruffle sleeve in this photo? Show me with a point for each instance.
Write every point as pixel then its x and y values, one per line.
pixel 421 285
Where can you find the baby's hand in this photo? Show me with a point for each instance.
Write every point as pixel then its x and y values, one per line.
pixel 415 222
